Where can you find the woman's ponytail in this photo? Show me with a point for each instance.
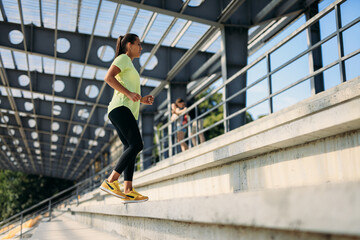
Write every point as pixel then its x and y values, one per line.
pixel 122 42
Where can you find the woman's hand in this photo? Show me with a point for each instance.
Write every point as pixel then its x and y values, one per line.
pixel 148 100
pixel 133 96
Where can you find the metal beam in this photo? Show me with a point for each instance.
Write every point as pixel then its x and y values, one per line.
pixel 173 13
pixel 266 10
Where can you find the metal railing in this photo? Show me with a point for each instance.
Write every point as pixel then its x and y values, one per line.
pixel 167 144
pixel 68 196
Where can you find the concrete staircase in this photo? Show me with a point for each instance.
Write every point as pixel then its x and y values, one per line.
pixel 292 175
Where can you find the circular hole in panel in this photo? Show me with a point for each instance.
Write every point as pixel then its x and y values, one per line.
pixel 93 143
pixel 8 153
pixel 100 132
pixel 83 114
pixel 151 64
pixel 73 140
pixel 34 135
pixel 4 119
pixel 53 154
pixel 25 160
pixel 55 126
pixel 77 129
pixel 11 132
pixel 62 45
pixel 59 86
pixel 106 118
pixel 194 3
pixel 37 151
pixel 16 142
pixel 91 91
pixel 57 110
pixel 16 37
pixel 19 149
pixel 28 106
pixel 3 147
pixel 13 159
pixel 36 144
pixel 32 123
pixel 54 138
pixel 53 147
pixel 105 53
pixel 22 155
pixel 24 80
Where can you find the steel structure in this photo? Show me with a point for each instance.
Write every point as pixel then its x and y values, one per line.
pixel 55 53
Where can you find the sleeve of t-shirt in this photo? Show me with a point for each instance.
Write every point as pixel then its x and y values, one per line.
pixel 121 62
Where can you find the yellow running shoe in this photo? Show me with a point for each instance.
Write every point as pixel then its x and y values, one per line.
pixel 134 197
pixel 114 189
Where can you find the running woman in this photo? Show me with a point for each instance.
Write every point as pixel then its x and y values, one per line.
pixel 123 111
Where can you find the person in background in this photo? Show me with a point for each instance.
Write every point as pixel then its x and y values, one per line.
pixel 177 109
pixel 123 112
pixel 196 125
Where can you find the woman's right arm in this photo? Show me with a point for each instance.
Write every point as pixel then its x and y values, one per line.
pixel 111 80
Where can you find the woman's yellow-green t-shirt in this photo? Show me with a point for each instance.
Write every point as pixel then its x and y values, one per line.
pixel 130 79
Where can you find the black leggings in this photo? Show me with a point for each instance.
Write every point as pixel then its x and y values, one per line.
pixel 128 131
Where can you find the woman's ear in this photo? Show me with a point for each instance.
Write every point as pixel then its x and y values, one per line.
pixel 128 46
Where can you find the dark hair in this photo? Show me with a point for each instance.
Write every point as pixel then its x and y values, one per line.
pixel 122 42
pixel 179 100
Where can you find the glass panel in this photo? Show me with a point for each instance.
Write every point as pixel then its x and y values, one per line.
pixel 256 72
pixel 141 21
pixel 158 28
pixel 292 96
pixel 290 74
pixel 323 4
pixel 31 12
pixel 352 69
pixel 258 111
pixel 175 30
pixel 11 9
pixel 67 15
pixel 332 77
pixel 288 50
pixel 48 11
pixel 351 39
pixel 329 51
pixel 192 35
pixel 327 24
pixel 295 25
pixel 87 16
pixel 349 10
pixel 7 58
pixel 257 92
pixel 123 21
pixel 106 16
pixel 20 60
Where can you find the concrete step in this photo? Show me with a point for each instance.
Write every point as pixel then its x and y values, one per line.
pixel 315 212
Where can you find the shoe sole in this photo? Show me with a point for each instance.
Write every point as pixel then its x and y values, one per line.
pixel 110 192
pixel 134 201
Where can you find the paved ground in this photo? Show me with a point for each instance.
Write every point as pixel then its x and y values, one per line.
pixel 63 228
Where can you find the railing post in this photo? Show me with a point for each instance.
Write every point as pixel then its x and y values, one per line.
pixel 49 210
pixel 21 222
pixel 77 196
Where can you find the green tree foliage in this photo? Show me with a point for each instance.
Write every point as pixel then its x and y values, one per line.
pixel 214 116
pixel 19 191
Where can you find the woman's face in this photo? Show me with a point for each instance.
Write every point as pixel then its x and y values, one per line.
pixel 135 48
pixel 181 104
